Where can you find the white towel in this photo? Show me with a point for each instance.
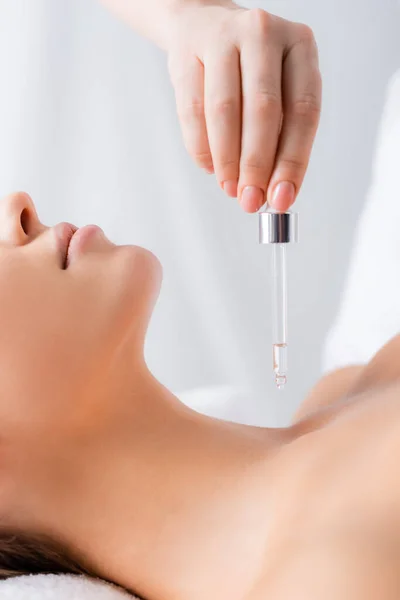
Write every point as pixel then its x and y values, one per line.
pixel 59 587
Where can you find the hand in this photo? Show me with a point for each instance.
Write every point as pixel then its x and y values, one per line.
pixel 248 94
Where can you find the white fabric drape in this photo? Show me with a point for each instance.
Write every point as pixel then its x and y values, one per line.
pixel 370 309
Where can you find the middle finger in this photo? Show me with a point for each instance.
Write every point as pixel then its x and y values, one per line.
pixel 261 65
pixel 223 115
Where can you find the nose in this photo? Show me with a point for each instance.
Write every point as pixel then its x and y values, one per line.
pixel 19 223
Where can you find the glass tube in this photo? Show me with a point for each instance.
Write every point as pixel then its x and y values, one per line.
pixel 279 314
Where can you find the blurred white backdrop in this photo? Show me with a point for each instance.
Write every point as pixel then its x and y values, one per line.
pixel 88 128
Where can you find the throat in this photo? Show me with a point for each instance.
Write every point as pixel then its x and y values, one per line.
pixel 201 511
pixel 182 499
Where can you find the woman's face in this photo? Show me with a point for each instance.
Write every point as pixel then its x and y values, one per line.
pixel 71 303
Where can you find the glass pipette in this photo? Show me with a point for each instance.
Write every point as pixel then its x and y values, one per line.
pixel 279 314
pixel 279 229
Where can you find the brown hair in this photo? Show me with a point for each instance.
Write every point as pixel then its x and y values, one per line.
pixel 26 554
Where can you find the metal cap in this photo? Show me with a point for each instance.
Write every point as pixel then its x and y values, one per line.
pixel 278 228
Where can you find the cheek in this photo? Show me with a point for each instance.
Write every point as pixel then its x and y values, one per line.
pixel 60 335
pixel 54 342
pixel 49 368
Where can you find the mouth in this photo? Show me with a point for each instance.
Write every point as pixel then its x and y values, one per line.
pixel 74 241
pixel 64 233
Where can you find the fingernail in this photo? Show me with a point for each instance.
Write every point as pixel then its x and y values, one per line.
pixel 283 196
pixel 230 187
pixel 252 198
pixel 209 170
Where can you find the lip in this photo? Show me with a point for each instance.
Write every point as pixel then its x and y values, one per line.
pixel 79 240
pixel 64 233
pixel 72 240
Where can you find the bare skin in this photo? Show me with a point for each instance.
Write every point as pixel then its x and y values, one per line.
pixel 166 502
pixel 248 91
pixel 336 529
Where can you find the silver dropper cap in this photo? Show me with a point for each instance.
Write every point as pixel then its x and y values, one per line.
pixel 278 228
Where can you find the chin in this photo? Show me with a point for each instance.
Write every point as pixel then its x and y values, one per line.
pixel 141 274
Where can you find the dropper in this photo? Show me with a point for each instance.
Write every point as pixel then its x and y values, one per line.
pixel 279 229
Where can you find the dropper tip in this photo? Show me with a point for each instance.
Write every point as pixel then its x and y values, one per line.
pixel 280 381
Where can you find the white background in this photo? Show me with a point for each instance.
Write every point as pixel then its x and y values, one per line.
pixel 88 127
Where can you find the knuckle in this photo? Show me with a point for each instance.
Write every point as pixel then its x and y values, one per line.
pixel 260 21
pixel 307 108
pixel 193 110
pixel 202 158
pixel 305 34
pixel 266 102
pixel 225 107
pixel 253 163
pixel 292 163
pixel 225 163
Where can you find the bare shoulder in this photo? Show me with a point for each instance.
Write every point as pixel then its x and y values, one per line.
pixel 328 390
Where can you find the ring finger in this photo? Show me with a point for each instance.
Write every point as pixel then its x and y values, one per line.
pixel 223 115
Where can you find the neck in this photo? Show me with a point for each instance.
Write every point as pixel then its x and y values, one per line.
pixel 178 497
